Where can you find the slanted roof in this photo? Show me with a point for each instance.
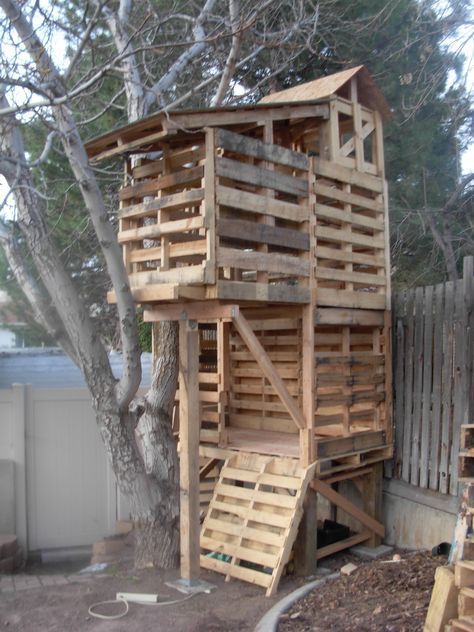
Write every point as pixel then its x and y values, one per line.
pixel 324 87
pixel 176 125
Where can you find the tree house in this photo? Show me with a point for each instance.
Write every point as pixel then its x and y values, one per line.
pixel 263 230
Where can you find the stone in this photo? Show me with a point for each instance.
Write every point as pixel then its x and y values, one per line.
pixel 348 569
pixel 371 553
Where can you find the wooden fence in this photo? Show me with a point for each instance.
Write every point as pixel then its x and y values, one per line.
pixel 433 380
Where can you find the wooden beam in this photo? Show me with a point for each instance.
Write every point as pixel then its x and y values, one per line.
pixel 334 497
pixel 189 448
pixel 330 549
pixel 245 330
pixel 200 310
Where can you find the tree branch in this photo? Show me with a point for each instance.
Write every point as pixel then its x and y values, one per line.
pixel 229 68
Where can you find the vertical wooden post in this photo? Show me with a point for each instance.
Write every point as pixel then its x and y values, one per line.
pixel 210 208
pixel 223 369
pixel 189 448
pixel 468 290
pixel 372 498
pixel 307 433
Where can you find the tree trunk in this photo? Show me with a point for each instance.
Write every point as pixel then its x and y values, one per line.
pixel 158 534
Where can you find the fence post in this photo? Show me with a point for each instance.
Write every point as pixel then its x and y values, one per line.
pixel 468 291
pixel 19 457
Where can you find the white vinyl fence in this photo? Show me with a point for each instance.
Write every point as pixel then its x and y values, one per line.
pixel 65 492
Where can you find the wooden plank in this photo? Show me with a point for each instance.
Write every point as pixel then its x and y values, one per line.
pixel 157 230
pixel 260 204
pixel 328 169
pixel 262 151
pixel 184 199
pixel 205 310
pixel 261 177
pixel 330 549
pixel 238 572
pixel 443 603
pixel 408 384
pixel 336 254
pixel 241 290
pixel 176 251
pixel 346 236
pixel 459 376
pixel 347 316
pixel 447 386
pixel 338 215
pixel 210 205
pixel 427 383
pixel 346 298
pixel 418 364
pixel 189 455
pixel 355 200
pixel 265 364
pixel 468 281
pixel 270 262
pixel 181 276
pixel 361 278
pixel 437 387
pixel 399 391
pixel 346 505
pixel 262 234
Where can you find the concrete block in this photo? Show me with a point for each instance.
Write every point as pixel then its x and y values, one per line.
pixel 371 553
pixel 25 582
pixel 8 545
pixel 53 580
pixel 7 496
pixel 6 584
pixel 108 546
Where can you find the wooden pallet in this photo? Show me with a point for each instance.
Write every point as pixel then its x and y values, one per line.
pixel 253 518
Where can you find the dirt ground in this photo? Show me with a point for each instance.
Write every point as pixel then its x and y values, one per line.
pixel 376 596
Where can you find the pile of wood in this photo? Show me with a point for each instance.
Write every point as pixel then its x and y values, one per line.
pixel 452 601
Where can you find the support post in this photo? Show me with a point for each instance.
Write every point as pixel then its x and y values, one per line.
pixel 372 499
pixel 189 448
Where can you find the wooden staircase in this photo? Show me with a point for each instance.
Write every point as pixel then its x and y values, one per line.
pixel 253 518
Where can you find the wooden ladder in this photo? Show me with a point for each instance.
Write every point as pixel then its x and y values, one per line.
pixel 253 518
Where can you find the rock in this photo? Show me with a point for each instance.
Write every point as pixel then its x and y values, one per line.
pixel 348 569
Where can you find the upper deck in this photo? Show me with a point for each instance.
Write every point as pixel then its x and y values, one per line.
pixel 282 202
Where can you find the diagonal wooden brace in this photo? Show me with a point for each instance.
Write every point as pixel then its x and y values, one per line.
pixel 337 499
pixel 245 330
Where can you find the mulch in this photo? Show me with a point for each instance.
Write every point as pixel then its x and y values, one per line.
pixel 381 595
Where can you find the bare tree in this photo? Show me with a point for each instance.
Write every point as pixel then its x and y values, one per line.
pixel 148 55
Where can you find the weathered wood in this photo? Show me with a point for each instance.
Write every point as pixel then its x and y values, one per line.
pixel 260 204
pixel 263 151
pixel 252 232
pixel 261 177
pixel 446 380
pixel 437 388
pixel 418 365
pixel 426 387
pixel 408 385
pixel 189 443
pixel 346 505
pixel 267 368
pixel 270 262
